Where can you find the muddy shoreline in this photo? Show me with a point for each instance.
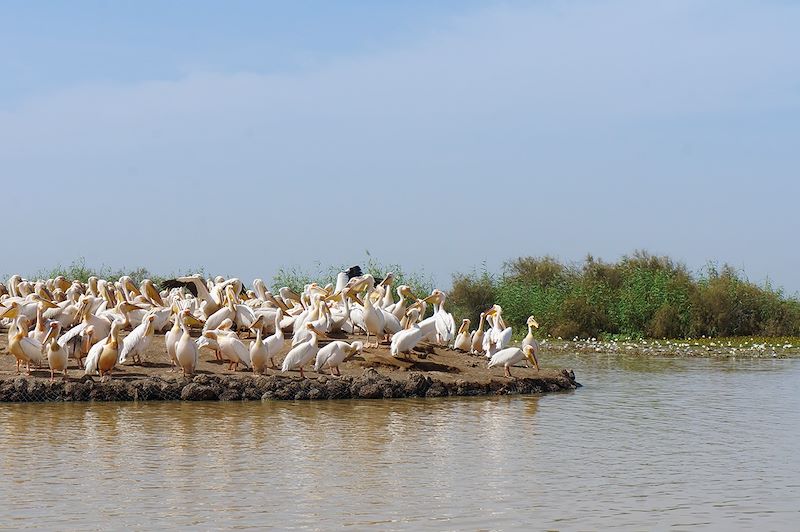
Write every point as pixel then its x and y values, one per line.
pixel 370 385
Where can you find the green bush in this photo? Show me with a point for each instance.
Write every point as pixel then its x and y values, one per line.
pixel 640 295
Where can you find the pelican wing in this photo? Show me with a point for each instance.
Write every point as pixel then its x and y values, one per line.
pixel 245 315
pixel 130 342
pixel 32 349
pixel 72 333
pixel 90 365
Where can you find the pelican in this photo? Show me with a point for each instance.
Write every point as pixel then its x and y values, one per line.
pixel 405 340
pixel 302 354
pixel 373 319
pixel 209 304
pixel 173 335
pixel 24 349
pixel 530 340
pixel 40 332
pixel 259 354
pixel 334 354
pixel 135 344
pixel 463 341
pixel 102 326
pixel 104 354
pixel 56 355
pixel 500 334
pixel 84 345
pixel 274 343
pixel 476 343
pixel 186 350
pixel 445 325
pixel 399 309
pixel 511 355
pixel 234 350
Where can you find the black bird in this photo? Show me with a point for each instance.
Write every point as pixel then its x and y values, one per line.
pixel 169 284
pixel 353 271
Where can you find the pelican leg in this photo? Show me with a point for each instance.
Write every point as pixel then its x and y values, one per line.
pixel 272 361
pixel 302 375
pixel 507 372
pixel 52 375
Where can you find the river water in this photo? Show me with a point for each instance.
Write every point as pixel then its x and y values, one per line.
pixel 645 444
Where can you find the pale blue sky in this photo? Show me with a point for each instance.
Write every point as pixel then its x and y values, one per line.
pixel 245 136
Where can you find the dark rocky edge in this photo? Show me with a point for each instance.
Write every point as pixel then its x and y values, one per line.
pixel 370 385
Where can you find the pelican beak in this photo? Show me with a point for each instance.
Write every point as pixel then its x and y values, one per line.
pixel 355 298
pixel 44 301
pixel 320 333
pixel 535 323
pixel 10 312
pixel 431 298
pixel 291 294
pixel 153 295
pixel 491 312
pixel 51 332
pixel 192 321
pixel 532 358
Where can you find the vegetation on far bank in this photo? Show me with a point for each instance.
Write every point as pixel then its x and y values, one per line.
pixel 641 295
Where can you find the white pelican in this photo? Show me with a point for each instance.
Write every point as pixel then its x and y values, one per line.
pixel 102 326
pixel 405 340
pixel 530 340
pixel 173 335
pixel 302 354
pixel 339 320
pixel 274 343
pixel 399 309
pixel 234 350
pixel 477 336
pixel 135 344
pixel 56 355
pixel 40 332
pixel 84 345
pixel 334 354
pixel 240 314
pixel 511 355
pixel 318 316
pixel 499 333
pixel 373 320
pixel 186 350
pixel 259 355
pixel 210 304
pixel 24 349
pixel 445 324
pixel 104 354
pixel 463 341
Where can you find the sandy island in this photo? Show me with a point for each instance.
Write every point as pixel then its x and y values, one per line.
pixel 430 371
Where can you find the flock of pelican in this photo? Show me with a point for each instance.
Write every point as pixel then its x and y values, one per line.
pixel 52 321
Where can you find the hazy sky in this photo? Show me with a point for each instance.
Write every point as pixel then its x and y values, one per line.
pixel 245 136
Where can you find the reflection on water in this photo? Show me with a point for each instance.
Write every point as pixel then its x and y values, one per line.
pixel 645 444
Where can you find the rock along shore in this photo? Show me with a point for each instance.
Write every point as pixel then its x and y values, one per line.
pixel 370 385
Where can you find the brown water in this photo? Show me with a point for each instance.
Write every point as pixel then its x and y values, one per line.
pixel 646 444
